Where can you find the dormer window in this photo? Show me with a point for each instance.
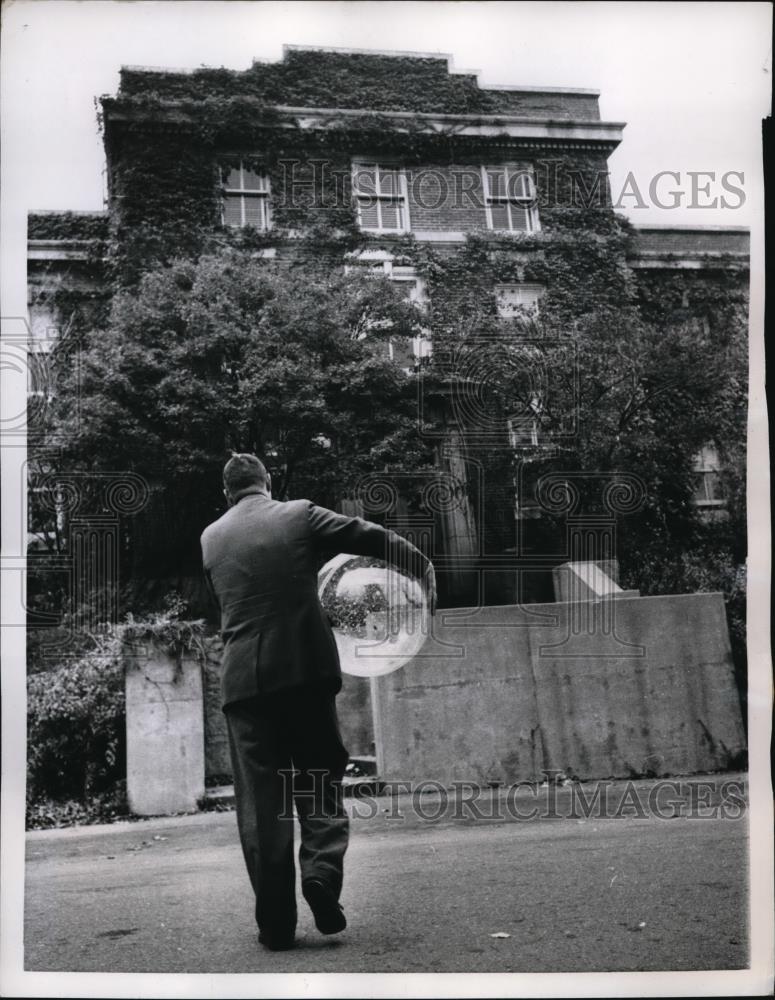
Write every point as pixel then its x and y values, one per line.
pixel 245 198
pixel 509 193
pixel 381 197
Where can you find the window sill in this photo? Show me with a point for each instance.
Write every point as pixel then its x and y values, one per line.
pixel 513 232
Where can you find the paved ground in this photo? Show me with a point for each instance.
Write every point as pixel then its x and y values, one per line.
pixel 573 894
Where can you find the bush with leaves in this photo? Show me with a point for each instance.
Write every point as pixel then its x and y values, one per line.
pixel 75 726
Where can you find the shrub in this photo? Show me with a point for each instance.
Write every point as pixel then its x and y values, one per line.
pixel 75 727
pixel 45 813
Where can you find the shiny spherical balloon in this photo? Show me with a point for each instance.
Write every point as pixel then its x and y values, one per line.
pixel 379 615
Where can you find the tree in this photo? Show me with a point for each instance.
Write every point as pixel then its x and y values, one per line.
pixel 233 352
pixel 614 394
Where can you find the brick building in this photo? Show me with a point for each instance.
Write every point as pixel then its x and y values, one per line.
pixel 486 205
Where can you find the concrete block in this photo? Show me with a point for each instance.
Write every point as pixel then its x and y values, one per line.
pixel 672 710
pixel 634 686
pixel 165 732
pixel 581 581
pixel 468 711
pixel 353 706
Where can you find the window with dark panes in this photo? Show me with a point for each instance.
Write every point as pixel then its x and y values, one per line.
pixel 509 193
pixel 381 197
pixel 245 198
pixel 707 477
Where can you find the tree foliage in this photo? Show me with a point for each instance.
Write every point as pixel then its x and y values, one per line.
pixel 613 395
pixel 233 352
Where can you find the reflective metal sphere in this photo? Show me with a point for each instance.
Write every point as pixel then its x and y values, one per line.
pixel 379 615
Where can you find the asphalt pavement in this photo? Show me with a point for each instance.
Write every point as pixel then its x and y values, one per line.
pixel 426 890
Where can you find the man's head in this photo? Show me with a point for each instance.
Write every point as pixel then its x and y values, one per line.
pixel 242 474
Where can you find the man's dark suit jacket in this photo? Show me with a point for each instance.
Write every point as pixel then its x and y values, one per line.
pixel 261 561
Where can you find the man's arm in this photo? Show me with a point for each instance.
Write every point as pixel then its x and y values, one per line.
pixel 338 533
pixel 211 591
pixel 208 579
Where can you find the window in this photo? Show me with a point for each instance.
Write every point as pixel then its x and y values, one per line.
pixel 380 264
pixel 245 198
pixel 509 196
pixel 708 492
pixel 412 354
pixel 46 512
pixel 380 193
pixel 524 425
pixel 523 431
pixel 514 300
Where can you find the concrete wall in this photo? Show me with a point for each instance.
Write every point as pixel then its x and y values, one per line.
pixel 356 720
pixel 608 689
pixel 597 689
pixel 353 705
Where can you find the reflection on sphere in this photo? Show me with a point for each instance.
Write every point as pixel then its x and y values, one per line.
pixel 379 615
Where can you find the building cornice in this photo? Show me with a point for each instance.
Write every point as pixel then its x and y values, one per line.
pixel 478 125
pixel 677 261
pixel 60 249
pixel 669 246
pixel 508 127
pixel 668 227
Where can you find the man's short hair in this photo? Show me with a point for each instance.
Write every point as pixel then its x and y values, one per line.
pixel 243 471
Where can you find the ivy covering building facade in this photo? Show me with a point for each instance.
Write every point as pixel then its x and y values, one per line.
pixel 490 209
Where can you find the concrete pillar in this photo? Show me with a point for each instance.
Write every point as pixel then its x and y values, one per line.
pixel 164 732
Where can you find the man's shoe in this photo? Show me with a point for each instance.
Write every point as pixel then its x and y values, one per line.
pixel 329 915
pixel 277 942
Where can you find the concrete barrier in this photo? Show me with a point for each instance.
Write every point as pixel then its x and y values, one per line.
pixel 470 715
pixel 585 581
pixel 353 706
pixel 356 719
pixel 613 688
pixel 646 687
pixel 164 732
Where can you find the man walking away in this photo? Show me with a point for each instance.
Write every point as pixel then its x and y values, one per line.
pixel 280 677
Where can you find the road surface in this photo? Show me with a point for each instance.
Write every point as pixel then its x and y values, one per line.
pixel 570 894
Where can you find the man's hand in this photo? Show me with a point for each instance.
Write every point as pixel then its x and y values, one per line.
pixel 429 583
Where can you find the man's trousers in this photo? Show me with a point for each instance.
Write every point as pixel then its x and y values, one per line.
pixel 286 749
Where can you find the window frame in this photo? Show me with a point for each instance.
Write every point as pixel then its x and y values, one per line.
pixel 379 264
pixel 421 345
pixel 401 199
pixel 706 467
pixel 261 195
pixel 526 203
pixel 502 288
